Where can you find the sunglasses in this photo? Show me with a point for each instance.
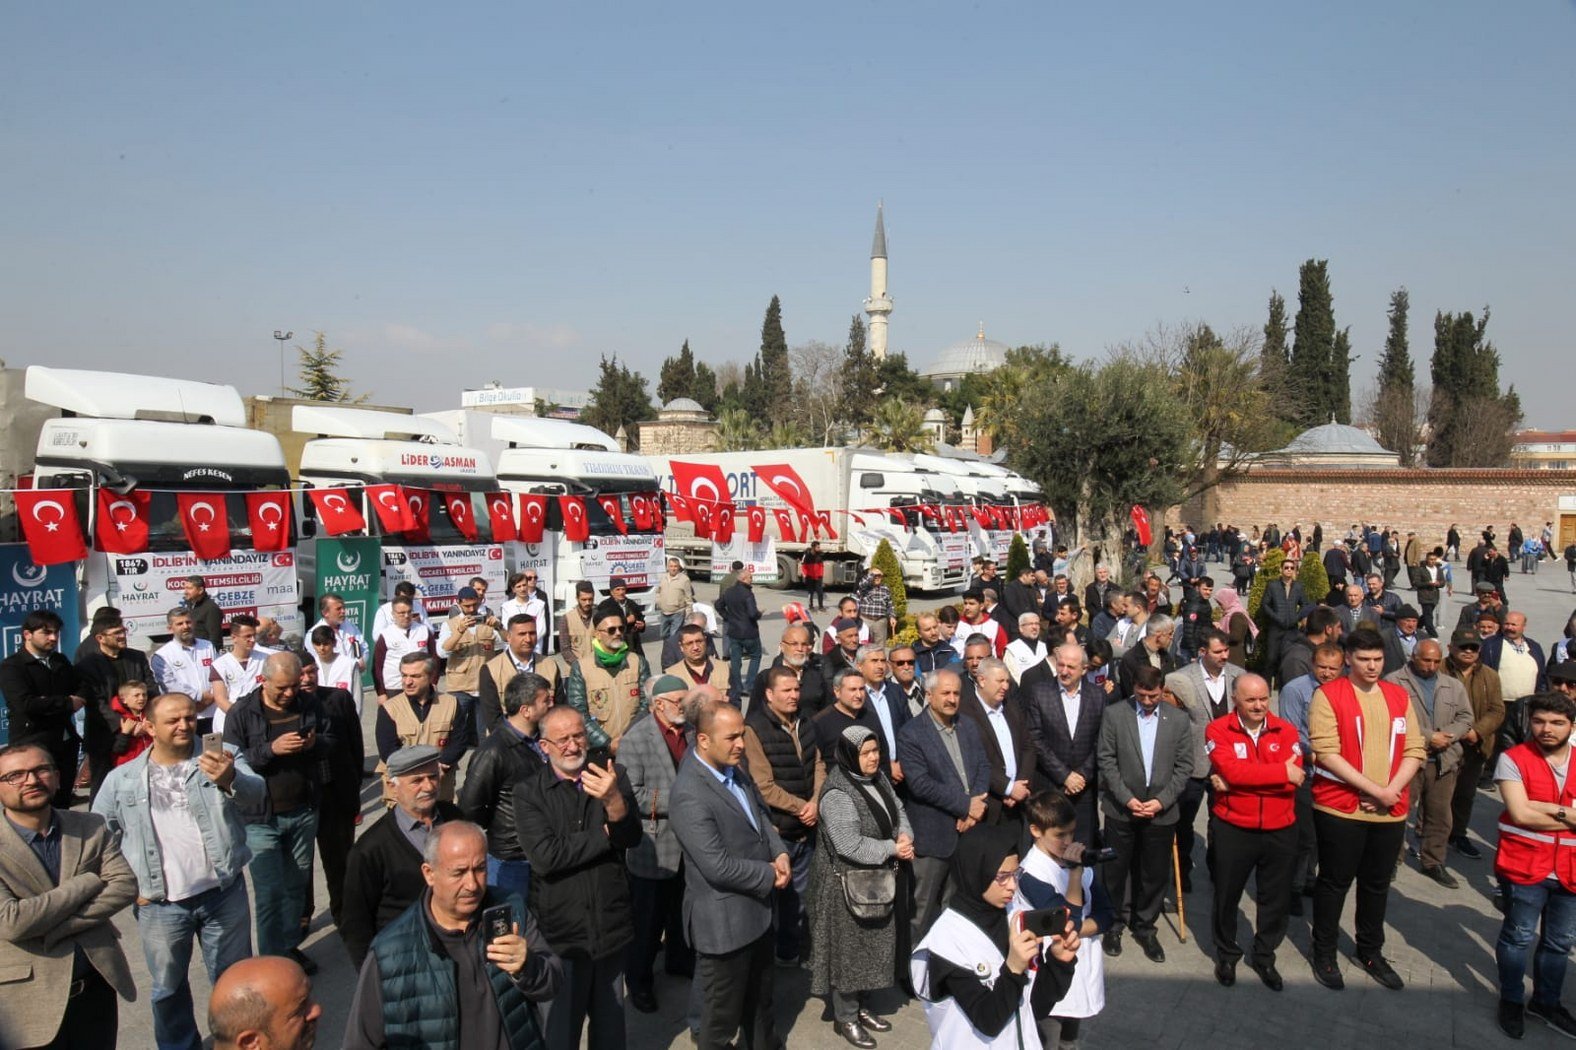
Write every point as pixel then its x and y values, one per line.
pixel 902 663
pixel 616 629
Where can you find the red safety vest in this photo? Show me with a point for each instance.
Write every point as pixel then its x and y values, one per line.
pixel 1329 790
pixel 1527 857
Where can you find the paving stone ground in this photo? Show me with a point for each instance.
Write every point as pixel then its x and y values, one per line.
pixel 1440 941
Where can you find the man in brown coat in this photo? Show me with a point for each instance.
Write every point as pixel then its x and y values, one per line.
pixel 1488 712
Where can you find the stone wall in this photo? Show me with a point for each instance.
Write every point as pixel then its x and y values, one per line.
pixel 675 438
pixel 1426 501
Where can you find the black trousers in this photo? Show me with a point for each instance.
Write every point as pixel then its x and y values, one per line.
pixel 1268 855
pixel 1136 879
pixel 1188 805
pixel 1088 814
pixel 1425 623
pixel 1302 875
pixel 91 1020
pixel 1472 762
pixel 658 910
pixel 336 833
pixel 736 989
pixel 1360 850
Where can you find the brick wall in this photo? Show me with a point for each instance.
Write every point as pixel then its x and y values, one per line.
pixel 1426 501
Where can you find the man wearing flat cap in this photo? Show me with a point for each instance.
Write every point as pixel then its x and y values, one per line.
pixel 383 873
pixel 634 616
pixel 1400 639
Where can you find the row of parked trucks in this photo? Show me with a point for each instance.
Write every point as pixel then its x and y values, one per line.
pixel 93 432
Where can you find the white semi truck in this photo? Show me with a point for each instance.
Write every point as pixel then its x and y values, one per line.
pixel 857 486
pixel 120 432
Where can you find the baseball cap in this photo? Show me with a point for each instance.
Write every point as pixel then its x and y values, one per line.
pixel 1465 637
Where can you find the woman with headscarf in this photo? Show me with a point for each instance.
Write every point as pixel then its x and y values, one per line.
pixel 972 970
pixel 862 827
pixel 1236 624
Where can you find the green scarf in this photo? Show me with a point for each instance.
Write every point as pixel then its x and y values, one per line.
pixel 608 658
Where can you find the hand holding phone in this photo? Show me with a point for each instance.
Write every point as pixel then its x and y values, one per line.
pixel 213 743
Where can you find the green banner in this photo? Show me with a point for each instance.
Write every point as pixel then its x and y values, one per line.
pixel 353 569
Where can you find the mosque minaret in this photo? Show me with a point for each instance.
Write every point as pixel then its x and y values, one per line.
pixel 879 306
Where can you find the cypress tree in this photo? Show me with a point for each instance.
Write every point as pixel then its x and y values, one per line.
pixel 1393 412
pixel 1313 347
pixel 1273 356
pixel 773 369
pixel 1340 377
pixel 677 377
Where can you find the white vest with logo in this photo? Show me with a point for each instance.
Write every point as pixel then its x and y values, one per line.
pixel 964 944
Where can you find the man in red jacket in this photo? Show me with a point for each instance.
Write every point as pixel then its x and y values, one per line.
pixel 1256 764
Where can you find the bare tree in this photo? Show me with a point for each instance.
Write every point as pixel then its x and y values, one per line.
pixel 818 389
pixel 1390 413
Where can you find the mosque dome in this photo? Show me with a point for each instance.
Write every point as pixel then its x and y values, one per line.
pixel 682 404
pixel 969 357
pixel 935 415
pixel 1336 444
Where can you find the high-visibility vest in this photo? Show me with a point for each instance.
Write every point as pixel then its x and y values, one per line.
pixel 1329 790
pixel 1527 857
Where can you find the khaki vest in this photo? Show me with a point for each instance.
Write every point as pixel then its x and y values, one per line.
pixel 577 635
pixel 610 699
pixel 477 644
pixel 434 731
pixel 502 669
pixel 719 675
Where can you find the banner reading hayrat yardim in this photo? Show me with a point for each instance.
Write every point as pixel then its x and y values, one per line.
pixel 144 587
pixel 542 559
pixel 26 588
pixel 955 550
pixel 637 557
pixel 763 556
pixel 440 571
pixel 353 569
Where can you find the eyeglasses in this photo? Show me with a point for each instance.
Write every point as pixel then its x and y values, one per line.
pixel 1002 878
pixel 565 741
pixel 530 579
pixel 902 663
pixel 615 629
pixel 19 777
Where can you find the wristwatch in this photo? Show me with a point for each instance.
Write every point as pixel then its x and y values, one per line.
pixel 1559 815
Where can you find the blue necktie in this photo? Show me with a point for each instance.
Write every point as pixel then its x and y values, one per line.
pixel 733 785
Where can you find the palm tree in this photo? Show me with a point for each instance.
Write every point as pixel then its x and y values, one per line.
pixel 737 431
pixel 898 426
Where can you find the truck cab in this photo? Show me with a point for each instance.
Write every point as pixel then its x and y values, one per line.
pixel 558 457
pixel 357 447
pixel 121 432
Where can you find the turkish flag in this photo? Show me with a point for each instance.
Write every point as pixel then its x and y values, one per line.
pixel 418 503
pixel 1140 518
pixel 609 505
pixel 207 527
pixel 722 523
pixel 658 521
pixel 757 526
pixel 823 520
pixel 982 515
pixel 501 516
pixel 533 518
pixel 458 505
pixel 702 512
pixel 388 501
pixel 784 518
pixel 576 527
pixel 640 509
pixel 268 514
pixel 122 523
pixel 786 482
pixel 337 511
pixel 682 510
pixel 699 481
pixel 50 523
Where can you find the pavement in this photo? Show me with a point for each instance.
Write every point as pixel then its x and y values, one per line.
pixel 1440 941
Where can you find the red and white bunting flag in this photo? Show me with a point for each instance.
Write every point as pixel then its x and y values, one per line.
pixel 121 526
pixel 501 517
pixel 757 524
pixel 207 526
pixel 388 502
pixel 51 526
pixel 577 528
pixel 610 507
pixel 268 516
pixel 462 514
pixel 533 518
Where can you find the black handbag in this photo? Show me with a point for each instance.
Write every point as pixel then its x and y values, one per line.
pixel 868 893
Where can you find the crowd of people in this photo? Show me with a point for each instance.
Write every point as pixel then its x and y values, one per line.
pixel 977 817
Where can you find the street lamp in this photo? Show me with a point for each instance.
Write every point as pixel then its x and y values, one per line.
pixel 283 338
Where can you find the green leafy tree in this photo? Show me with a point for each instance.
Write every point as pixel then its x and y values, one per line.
pixel 677 377
pixel 737 431
pixel 1009 391
pixel 885 559
pixel 859 375
pixel 704 388
pixel 1269 569
pixel 1273 354
pixel 1017 556
pixel 619 399
pixel 1310 387
pixel 773 370
pixel 896 379
pixel 1394 411
pixel 899 426
pixel 320 378
pixel 1340 381
pixel 1471 423
pixel 1315 581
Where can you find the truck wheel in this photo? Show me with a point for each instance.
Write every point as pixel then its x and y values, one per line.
pixel 787 573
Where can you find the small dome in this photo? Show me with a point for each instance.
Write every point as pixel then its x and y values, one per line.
pixel 968 357
pixel 682 404
pixel 935 415
pixel 1335 439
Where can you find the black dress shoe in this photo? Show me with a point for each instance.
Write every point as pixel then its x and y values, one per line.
pixel 645 1002
pixel 1465 847
pixel 855 1034
pixel 1112 944
pixel 874 1023
pixel 1328 973
pixel 1269 975
pixel 1512 1019
pixel 1151 945
pixel 1380 970
pixel 1226 972
pixel 1441 876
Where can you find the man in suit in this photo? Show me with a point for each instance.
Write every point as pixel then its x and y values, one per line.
pixel 1019 598
pixel 1098 594
pixel 43 691
pixel 1203 689
pixel 1351 611
pixel 651 752
pixel 1284 605
pixel 948 780
pixel 1322 625
pixel 1008 745
pixel 1152 650
pixel 796 652
pixel 884 700
pixel 62 878
pixel 733 860
pixel 1400 639
pixel 1383 605
pixel 1146 758
pixel 1444 715
pixel 1064 723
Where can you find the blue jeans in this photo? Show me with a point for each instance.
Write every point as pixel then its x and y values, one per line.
pixel 790 900
pixel 1525 907
pixel 671 622
pixel 509 876
pixel 738 650
pixel 222 923
pixel 281 870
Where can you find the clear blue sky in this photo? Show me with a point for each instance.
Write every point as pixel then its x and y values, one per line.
pixel 457 193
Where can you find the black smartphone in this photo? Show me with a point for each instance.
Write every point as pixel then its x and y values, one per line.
pixel 1046 922
pixel 498 921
